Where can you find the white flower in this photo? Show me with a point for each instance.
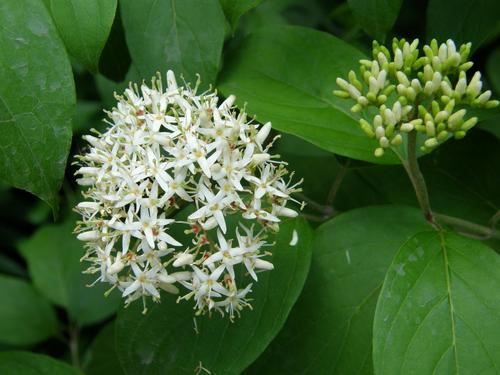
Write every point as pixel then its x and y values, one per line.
pixel 164 149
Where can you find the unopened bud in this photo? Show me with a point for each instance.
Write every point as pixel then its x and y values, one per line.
pixel 469 124
pixel 116 267
pixel 263 264
pixel 183 259
pixel 285 211
pixel 89 236
pixel 263 133
pixel 260 158
pixel 167 279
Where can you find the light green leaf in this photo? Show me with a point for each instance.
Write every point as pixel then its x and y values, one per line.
pixel 36 100
pixel 286 75
pixel 234 9
pixel 439 310
pixel 53 255
pixel 183 35
pixel 164 340
pixel 84 26
pixel 376 16
pixel 26 363
pixel 329 330
pixel 462 20
pixel 25 316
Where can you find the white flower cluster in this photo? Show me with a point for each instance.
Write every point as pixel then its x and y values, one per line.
pixel 165 149
pixel 412 92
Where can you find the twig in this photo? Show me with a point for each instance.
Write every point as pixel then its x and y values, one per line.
pixel 417 179
pixel 337 182
pixel 472 229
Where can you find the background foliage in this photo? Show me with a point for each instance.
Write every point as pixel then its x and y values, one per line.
pixel 371 287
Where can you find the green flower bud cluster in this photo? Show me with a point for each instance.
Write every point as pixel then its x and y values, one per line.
pixel 414 91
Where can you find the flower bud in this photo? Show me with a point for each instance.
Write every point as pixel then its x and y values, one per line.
pixel 406 127
pixel 367 128
pixel 263 264
pixel 469 124
pixel 397 140
pixel 210 223
pixel 90 236
pixel 342 83
pixel 116 267
pixel 228 103
pixel 260 158
pixel 183 259
pixel 171 82
pixel 181 275
pixel 431 143
pixel 263 133
pixel 484 97
pixel 398 59
pixel 167 279
pixel 442 136
pixel 379 132
pixel 284 211
pixel 384 142
pixel 88 206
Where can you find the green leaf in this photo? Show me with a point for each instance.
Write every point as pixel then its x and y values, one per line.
pixel 84 26
pixel 286 75
pixel 53 255
pixel 36 100
pixel 26 363
pixel 26 317
pixel 306 160
pixel 462 178
pixel 164 340
pixel 376 17
pixel 462 20
pixel 86 116
pixel 329 330
pixel 183 35
pixel 101 356
pixel 439 311
pixel 115 59
pixel 234 9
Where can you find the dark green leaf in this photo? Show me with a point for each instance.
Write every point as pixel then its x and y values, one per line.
pixel 183 35
pixel 462 20
pixel 233 9
pixel 25 363
pixel 86 116
pixel 115 58
pixel 439 310
pixel 25 316
pixel 53 254
pixel 286 75
pixel 493 69
pixel 102 357
pixel 36 100
pixel 376 16
pixel 84 26
pixel 329 330
pixel 107 87
pixel 164 340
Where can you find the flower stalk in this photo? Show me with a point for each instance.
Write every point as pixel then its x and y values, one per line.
pixel 417 179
